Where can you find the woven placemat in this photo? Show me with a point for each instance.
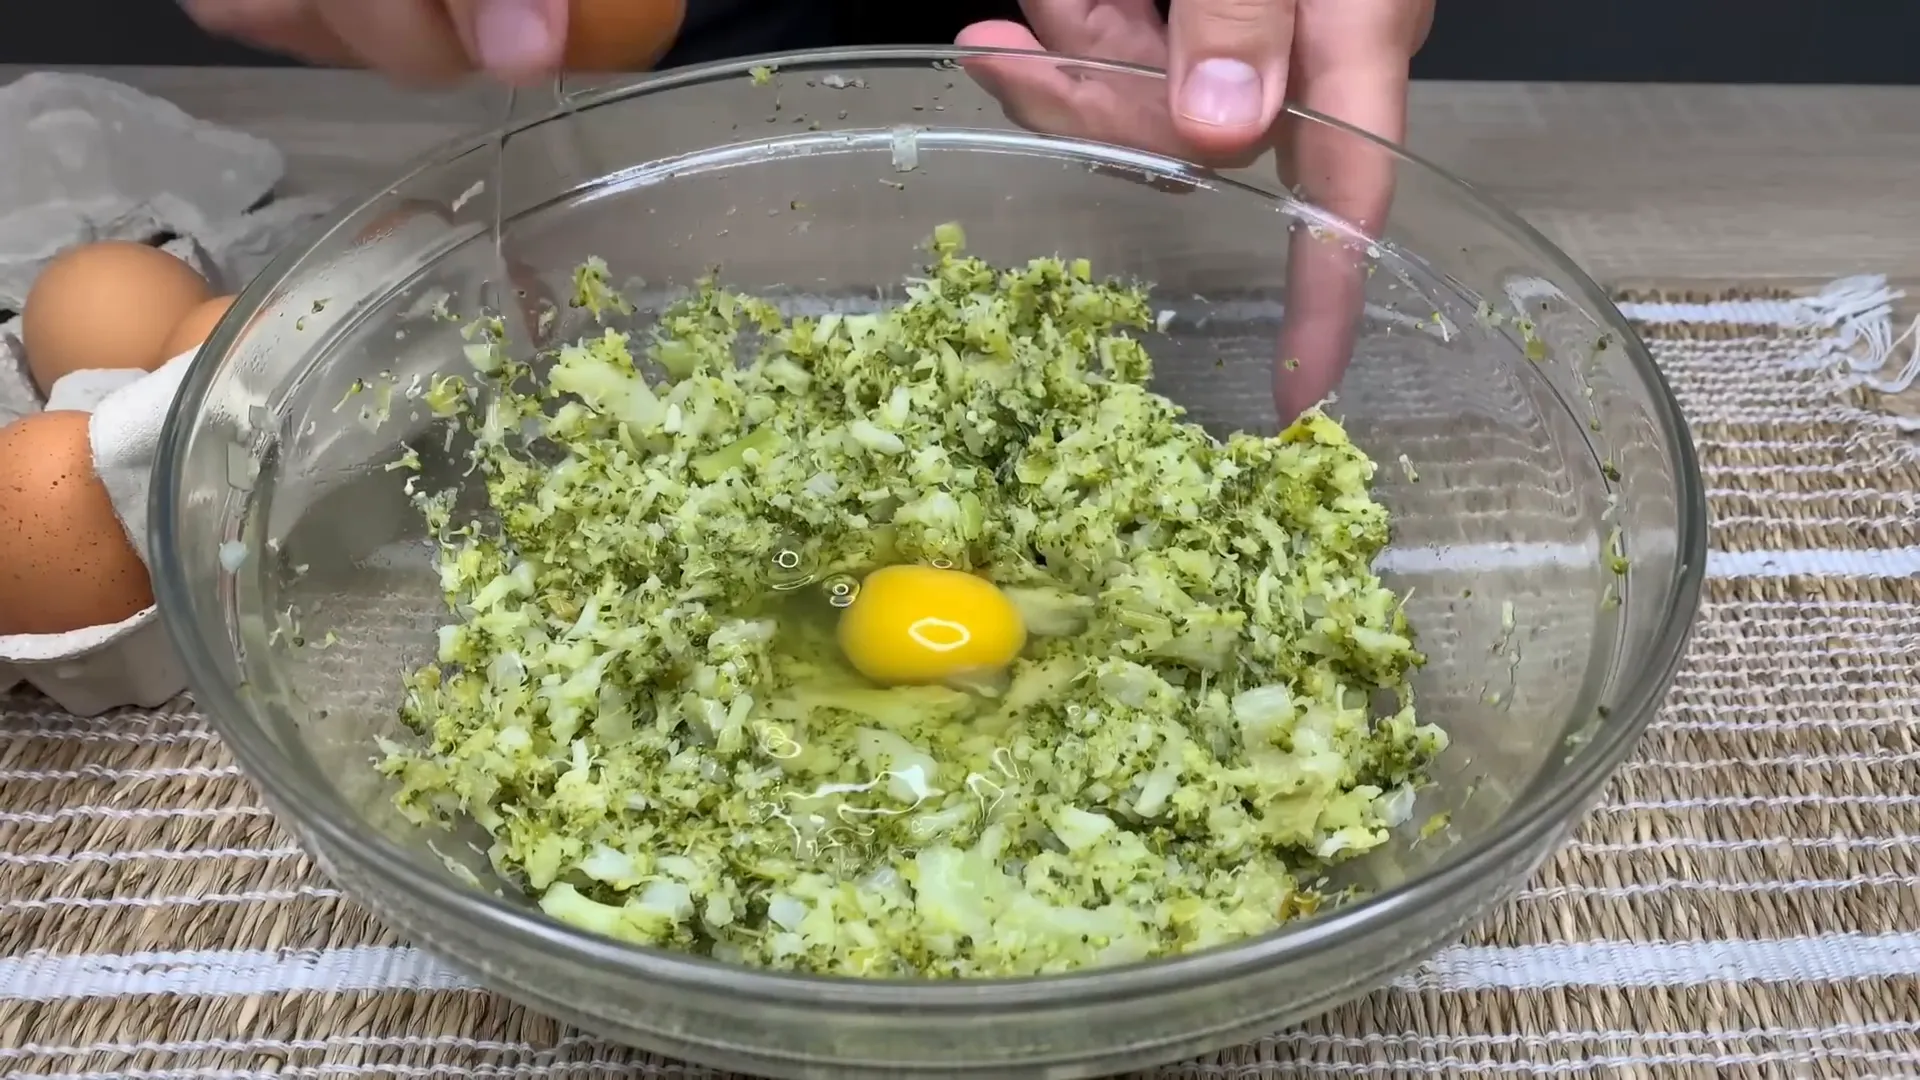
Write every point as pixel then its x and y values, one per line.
pixel 1746 903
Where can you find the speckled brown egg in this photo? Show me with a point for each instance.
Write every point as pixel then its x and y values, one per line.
pixel 65 561
pixel 192 330
pixel 106 305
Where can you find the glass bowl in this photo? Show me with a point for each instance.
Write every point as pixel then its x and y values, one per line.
pixel 1547 506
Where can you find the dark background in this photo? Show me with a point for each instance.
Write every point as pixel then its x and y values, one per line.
pixel 1783 41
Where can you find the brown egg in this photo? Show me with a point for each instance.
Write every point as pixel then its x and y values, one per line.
pixel 621 35
pixel 65 561
pixel 192 330
pixel 105 305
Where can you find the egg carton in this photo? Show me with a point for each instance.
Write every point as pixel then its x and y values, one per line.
pixel 90 159
pixel 90 671
pixel 132 662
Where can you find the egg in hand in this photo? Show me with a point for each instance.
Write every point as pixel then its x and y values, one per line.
pixel 917 625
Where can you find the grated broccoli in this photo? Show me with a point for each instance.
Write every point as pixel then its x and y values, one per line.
pixel 665 749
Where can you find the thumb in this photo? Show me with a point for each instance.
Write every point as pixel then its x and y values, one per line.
pixel 1228 69
pixel 514 40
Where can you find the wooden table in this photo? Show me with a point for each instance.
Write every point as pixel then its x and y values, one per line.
pixel 1637 183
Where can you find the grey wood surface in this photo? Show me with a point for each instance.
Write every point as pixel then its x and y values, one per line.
pixel 1639 184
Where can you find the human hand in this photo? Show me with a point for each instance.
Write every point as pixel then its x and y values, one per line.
pixel 426 42
pixel 1231 64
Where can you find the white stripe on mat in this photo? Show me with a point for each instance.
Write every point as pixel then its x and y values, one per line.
pixel 126 813
pixel 1803 681
pixel 1848 298
pixel 1910 882
pixel 1894 842
pixel 1445 1064
pixel 1748 802
pixel 1293 1040
pixel 1782 313
pixel 215 973
pixel 1673 963
pixel 1718 802
pixel 1662 886
pixel 1775 887
pixel 69 732
pixel 1725 565
pixel 161 855
pixel 211 973
pixel 193 900
pixel 1891 711
pixel 1782 761
pixel 102 772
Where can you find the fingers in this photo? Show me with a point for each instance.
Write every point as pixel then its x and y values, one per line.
pixel 1228 69
pixel 518 41
pixel 1326 292
pixel 1352 179
pixel 1350 63
pixel 997 34
pixel 411 40
pixel 289 27
pixel 1126 30
pixel 1062 24
pixel 1056 99
pixel 1078 101
pixel 414 41
pixel 1035 94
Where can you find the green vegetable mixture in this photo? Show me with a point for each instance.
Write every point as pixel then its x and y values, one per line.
pixel 640 700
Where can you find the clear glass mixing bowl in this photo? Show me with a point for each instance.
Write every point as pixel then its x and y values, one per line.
pixel 1526 440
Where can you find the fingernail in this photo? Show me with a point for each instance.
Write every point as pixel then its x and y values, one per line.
pixel 512 36
pixel 1222 93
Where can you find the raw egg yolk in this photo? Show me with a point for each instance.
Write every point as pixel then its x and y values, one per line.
pixel 914 625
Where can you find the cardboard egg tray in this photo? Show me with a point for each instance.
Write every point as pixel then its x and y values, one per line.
pixel 91 159
pixel 89 671
pixel 132 662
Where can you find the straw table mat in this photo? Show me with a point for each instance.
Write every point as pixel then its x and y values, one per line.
pixel 1747 902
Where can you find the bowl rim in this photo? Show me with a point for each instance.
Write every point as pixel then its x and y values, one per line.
pixel 1535 814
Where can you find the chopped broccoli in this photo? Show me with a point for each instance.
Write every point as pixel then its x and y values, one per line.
pixel 648 715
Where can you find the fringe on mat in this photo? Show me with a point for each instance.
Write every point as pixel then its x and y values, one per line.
pixel 1861 348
